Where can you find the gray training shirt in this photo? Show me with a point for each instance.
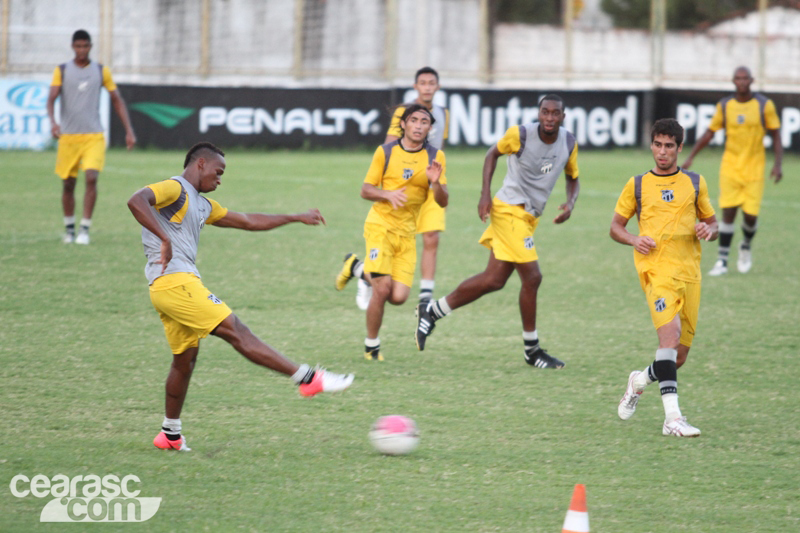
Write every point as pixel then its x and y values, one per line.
pixel 80 96
pixel 534 169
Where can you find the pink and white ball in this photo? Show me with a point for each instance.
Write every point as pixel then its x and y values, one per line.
pixel 394 435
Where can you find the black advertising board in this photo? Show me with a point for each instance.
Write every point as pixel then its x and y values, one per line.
pixel 177 117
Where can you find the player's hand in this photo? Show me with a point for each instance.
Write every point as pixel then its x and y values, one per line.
pixel 55 131
pixel 566 212
pixel 703 231
pixel 484 207
pixel 686 164
pixel 644 244
pixel 130 139
pixel 166 255
pixel 397 197
pixel 776 174
pixel 434 172
pixel 312 217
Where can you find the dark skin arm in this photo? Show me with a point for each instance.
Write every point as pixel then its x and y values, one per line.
pixel 701 143
pixel 573 189
pixel 140 204
pixel 55 129
pixel 777 170
pixel 489 165
pixel 122 112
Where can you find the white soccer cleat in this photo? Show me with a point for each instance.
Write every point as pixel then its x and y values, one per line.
pixel 745 261
pixel 68 238
pixel 363 294
pixel 627 405
pixel 82 238
pixel 325 381
pixel 719 269
pixel 679 427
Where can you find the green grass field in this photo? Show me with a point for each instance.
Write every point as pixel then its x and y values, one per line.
pixel 83 362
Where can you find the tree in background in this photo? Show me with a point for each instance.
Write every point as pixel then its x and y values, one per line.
pixel 681 14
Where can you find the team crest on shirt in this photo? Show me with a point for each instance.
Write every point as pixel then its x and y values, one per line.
pixel 407 173
pixel 547 167
pixel 660 304
pixel 667 195
pixel 214 299
pixel 740 119
pixel 528 243
pixel 373 254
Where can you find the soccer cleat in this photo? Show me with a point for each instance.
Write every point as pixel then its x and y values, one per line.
pixel 374 355
pixel 679 427
pixel 627 405
pixel 347 271
pixel 541 359
pixel 745 260
pixel 720 268
pixel 82 238
pixel 425 324
pixel 325 381
pixel 68 238
pixel 163 443
pixel 363 294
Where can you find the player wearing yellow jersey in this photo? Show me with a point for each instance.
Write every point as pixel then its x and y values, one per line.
pixel 536 153
pixel 398 180
pixel 431 218
pixel 745 117
pixel 172 213
pixel 81 143
pixel 668 201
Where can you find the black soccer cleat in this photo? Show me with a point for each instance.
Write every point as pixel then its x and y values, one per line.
pixel 425 325
pixel 541 359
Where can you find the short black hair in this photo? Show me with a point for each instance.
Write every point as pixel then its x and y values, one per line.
pixel 81 35
pixel 553 98
pixel 200 149
pixel 669 127
pixel 426 70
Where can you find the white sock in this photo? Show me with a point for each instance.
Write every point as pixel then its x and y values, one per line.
pixel 372 343
pixel 86 223
pixel 171 426
pixel 443 306
pixel 299 376
pixel 426 284
pixel 671 409
pixel 358 270
pixel 530 335
pixel 69 221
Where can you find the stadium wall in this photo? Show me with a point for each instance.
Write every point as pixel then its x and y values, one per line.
pixel 176 117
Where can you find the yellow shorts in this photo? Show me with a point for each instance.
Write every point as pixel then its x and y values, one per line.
pixel 84 151
pixel 668 297
pixel 431 216
pixel 390 253
pixel 510 233
pixel 188 310
pixel 735 192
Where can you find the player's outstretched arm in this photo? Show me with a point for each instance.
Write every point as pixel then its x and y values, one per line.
pixel 489 165
pixel 642 244
pixel 264 222
pixel 777 168
pixel 707 229
pixel 699 145
pixel 573 189
pixel 140 204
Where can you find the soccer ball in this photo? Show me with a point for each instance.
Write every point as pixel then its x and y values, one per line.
pixel 394 435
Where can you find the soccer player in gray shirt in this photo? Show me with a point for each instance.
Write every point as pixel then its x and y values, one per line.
pixel 81 143
pixel 172 213
pixel 536 153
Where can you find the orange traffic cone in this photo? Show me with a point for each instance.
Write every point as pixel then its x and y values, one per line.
pixel 577 520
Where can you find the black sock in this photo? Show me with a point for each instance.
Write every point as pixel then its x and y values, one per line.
pixel 372 349
pixel 651 372
pixel 170 434
pixel 308 377
pixel 425 294
pixel 749 233
pixel 435 311
pixel 667 376
pixel 70 228
pixel 725 246
pixel 531 346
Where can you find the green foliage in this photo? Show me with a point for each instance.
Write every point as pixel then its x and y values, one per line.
pixel 529 11
pixel 681 14
pixel 83 362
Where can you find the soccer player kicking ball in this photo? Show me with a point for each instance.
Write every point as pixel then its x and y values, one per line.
pixel 537 153
pixel 172 213
pixel 668 202
pixel 397 182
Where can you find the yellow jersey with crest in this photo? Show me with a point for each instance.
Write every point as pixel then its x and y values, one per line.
pixel 668 207
pixel 392 168
pixel 745 125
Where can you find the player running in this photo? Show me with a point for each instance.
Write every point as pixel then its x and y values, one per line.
pixel 746 117
pixel 431 219
pixel 398 180
pixel 172 213
pixel 537 154
pixel 668 201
